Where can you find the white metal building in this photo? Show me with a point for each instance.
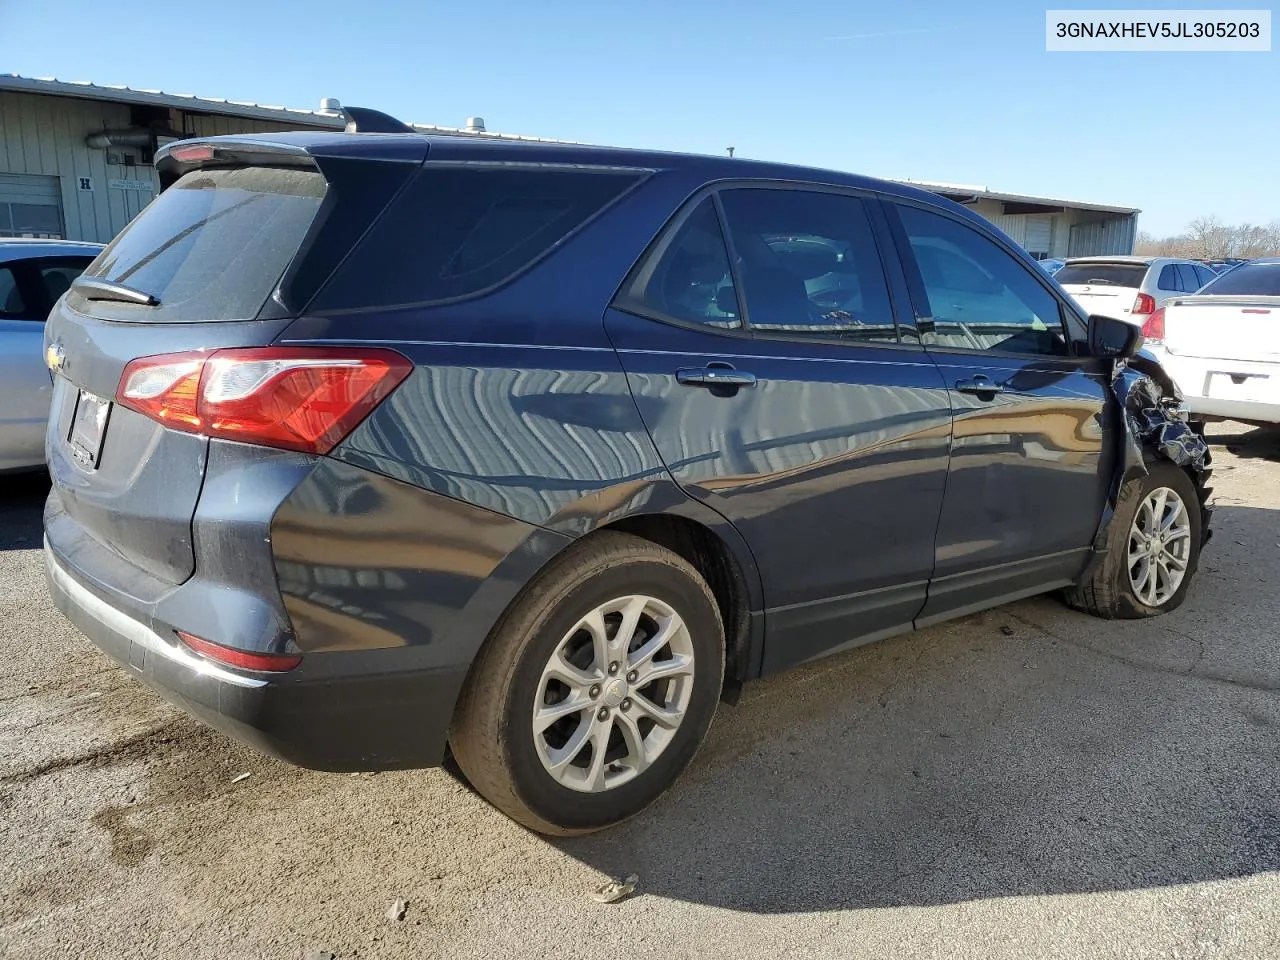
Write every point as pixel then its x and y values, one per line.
pixel 1046 227
pixel 75 162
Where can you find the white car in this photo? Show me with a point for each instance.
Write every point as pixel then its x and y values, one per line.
pixel 1222 346
pixel 33 275
pixel 1130 288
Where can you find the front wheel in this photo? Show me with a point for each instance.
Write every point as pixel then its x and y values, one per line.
pixel 1152 550
pixel 595 690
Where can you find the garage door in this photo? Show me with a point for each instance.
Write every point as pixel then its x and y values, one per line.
pixel 1038 236
pixel 30 206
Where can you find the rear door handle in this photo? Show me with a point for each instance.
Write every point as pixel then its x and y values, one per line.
pixel 980 386
pixel 714 377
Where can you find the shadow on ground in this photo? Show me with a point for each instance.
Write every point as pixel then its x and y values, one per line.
pixel 22 497
pixel 1028 750
pixel 1261 442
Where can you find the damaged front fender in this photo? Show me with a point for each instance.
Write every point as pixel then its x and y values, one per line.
pixel 1155 426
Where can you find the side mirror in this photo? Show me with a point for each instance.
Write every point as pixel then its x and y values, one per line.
pixel 1109 337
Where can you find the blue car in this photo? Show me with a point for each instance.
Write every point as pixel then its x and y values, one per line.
pixel 373 447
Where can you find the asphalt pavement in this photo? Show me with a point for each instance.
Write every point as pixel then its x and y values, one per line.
pixel 1026 782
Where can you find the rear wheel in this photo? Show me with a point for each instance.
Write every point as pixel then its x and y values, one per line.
pixel 595 690
pixel 1153 548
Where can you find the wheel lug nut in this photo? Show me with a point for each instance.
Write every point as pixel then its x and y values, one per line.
pixel 626 703
pixel 613 667
pixel 603 714
pixel 631 677
pixel 594 691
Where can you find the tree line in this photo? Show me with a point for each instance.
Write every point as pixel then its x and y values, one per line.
pixel 1208 238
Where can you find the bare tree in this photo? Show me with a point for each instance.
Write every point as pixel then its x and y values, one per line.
pixel 1210 238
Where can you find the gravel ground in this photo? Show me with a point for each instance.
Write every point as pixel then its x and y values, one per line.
pixel 1027 782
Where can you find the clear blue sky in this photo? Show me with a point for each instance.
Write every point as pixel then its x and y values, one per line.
pixel 933 90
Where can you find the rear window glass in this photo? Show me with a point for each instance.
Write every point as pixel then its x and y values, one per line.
pixel 211 247
pixel 1248 279
pixel 1103 274
pixel 458 231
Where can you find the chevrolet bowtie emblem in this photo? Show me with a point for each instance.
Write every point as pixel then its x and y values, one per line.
pixel 55 357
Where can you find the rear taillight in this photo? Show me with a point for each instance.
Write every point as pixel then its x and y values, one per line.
pixel 242 659
pixel 1153 329
pixel 296 398
pixel 1144 303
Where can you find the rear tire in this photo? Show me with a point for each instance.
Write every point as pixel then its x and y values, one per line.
pixel 560 725
pixel 1135 579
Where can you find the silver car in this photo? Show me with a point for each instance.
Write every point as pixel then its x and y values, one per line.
pixel 33 275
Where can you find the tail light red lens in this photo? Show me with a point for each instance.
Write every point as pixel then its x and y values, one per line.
pixel 241 659
pixel 1153 329
pixel 301 398
pixel 1144 303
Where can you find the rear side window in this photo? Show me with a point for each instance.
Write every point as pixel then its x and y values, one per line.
pixel 1190 282
pixel 12 305
pixel 211 247
pixel 460 230
pixel 687 277
pixel 809 265
pixel 1105 274
pixel 1203 276
pixel 1248 279
pixel 1169 279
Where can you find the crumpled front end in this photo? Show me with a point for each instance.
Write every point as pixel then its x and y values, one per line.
pixel 1155 427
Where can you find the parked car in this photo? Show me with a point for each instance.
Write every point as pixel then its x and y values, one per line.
pixel 1130 288
pixel 33 274
pixel 1051 265
pixel 1222 346
pixel 366 448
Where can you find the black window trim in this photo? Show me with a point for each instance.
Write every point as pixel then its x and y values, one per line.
pixel 642 176
pixel 919 296
pixel 872 200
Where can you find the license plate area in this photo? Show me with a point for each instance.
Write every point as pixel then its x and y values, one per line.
pixel 88 427
pixel 1238 385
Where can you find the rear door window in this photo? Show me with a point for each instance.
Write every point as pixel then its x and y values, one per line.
pixel 686 277
pixel 13 306
pixel 1169 279
pixel 461 230
pixel 56 277
pixel 211 247
pixel 808 265
pixel 1094 273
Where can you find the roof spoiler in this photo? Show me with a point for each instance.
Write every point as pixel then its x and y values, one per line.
pixel 364 120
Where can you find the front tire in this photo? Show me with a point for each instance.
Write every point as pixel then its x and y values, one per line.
pixel 1152 549
pixel 595 689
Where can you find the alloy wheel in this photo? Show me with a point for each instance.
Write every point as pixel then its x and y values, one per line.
pixel 1159 547
pixel 613 693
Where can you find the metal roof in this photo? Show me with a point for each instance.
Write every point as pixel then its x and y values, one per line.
pixel 986 193
pixel 190 103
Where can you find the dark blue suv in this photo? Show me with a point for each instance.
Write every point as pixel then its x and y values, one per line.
pixel 371 447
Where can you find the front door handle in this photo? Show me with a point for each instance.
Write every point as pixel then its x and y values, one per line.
pixel 710 376
pixel 980 386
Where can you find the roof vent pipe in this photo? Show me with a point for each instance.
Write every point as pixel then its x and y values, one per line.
pixel 133 137
pixel 474 125
pixel 330 105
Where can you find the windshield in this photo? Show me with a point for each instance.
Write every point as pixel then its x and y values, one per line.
pixel 1103 274
pixel 1248 279
pixel 211 247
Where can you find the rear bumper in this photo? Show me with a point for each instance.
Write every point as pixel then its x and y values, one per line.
pixel 1247 411
pixel 330 713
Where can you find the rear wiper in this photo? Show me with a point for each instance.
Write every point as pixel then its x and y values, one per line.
pixel 92 289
